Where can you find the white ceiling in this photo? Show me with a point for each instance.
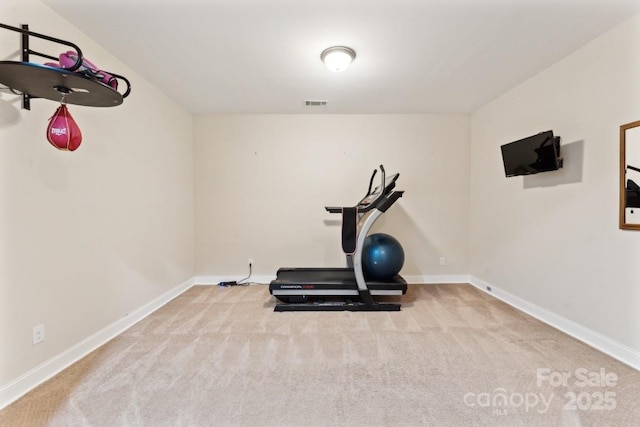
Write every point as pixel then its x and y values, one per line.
pixel 413 56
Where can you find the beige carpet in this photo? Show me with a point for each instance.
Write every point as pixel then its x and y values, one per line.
pixel 452 357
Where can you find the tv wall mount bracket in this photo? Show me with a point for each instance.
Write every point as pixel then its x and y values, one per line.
pixel 32 80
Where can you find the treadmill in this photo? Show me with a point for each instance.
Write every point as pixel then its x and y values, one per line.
pixel 344 289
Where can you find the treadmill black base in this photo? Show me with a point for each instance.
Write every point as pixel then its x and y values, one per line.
pixel 337 306
pixel 312 289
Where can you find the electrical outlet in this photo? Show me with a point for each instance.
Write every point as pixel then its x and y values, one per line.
pixel 251 261
pixel 442 260
pixel 38 334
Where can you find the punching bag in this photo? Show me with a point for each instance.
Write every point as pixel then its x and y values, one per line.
pixel 63 132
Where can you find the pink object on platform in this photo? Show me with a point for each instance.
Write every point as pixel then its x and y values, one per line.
pixel 88 68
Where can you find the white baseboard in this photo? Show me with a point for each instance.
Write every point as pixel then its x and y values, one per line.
pixel 594 339
pixel 214 280
pixel 14 390
pixel 437 279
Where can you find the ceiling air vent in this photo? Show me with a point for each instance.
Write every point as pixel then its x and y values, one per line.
pixel 315 103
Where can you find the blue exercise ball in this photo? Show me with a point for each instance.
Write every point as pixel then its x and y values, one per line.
pixel 382 257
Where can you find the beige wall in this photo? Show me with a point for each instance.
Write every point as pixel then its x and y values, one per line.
pixel 262 182
pixel 553 239
pixel 86 237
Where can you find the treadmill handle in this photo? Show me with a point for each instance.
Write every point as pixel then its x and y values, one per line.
pixel 390 200
pixel 375 171
pixel 373 203
pixel 361 208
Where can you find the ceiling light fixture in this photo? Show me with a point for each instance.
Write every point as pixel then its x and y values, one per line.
pixel 338 58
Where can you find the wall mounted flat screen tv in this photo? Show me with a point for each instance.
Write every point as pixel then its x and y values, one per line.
pixel 534 154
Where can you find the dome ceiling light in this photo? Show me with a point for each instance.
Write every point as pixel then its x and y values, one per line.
pixel 338 58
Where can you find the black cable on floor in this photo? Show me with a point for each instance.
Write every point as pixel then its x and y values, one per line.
pixel 239 282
